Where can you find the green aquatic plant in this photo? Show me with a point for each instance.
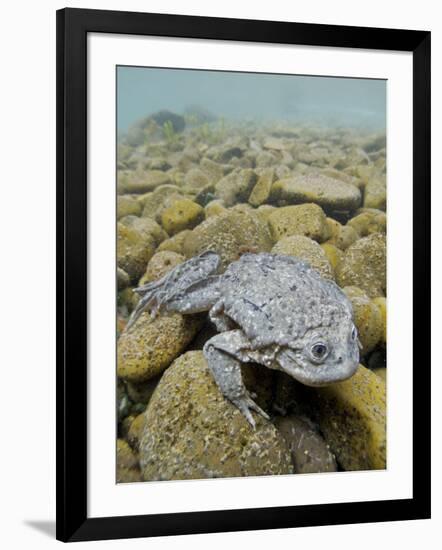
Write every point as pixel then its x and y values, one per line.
pixel 169 132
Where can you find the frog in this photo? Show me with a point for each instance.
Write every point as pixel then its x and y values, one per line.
pixel 268 309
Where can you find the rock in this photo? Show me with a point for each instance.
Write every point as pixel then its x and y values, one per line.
pixel 141 392
pixel 175 243
pixel 128 470
pixel 123 280
pixel 264 211
pixel 352 418
pixel 261 191
pixel 367 317
pixel 147 227
pixel 214 208
pixel 310 453
pixel 213 170
pixel 381 303
pixel 382 373
pixel 341 235
pixel 182 214
pixel 376 194
pixel 230 235
pixel 306 249
pixel 127 205
pixel 127 299
pixel 152 202
pixel 135 246
pixel 333 253
pixel 135 431
pixel 281 172
pixel 160 264
pixel 369 222
pixel 142 182
pixel 343 176
pixel 195 179
pixel 236 187
pixel 329 193
pixel 265 159
pixel 151 345
pixel 193 432
pixel 364 265
pixel 277 144
pixel 304 219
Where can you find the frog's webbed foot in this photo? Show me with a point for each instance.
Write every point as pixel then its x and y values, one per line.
pixel 222 353
pixel 188 288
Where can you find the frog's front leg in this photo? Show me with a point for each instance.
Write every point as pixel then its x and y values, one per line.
pixel 224 353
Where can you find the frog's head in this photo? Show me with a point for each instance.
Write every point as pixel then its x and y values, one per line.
pixel 323 355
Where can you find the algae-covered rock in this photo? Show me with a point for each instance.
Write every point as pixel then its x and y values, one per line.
pixel 160 264
pixel 352 418
pixel 195 179
pixel 305 249
pixel 127 205
pixel 364 265
pixel 229 235
pixel 310 453
pixel 341 235
pixel 141 392
pixel 214 208
pixel 369 221
pixel 367 317
pixel 213 170
pixel 128 469
pixel 150 345
pixel 381 303
pixel 175 243
pixel 264 211
pixel 148 227
pixel 181 214
pixel 376 194
pixel 134 250
pixel 123 280
pixel 192 431
pixel 135 431
pixel 330 193
pixel 304 219
pixel 236 186
pixel 261 191
pixel 382 373
pixel 142 182
pixel 153 202
pixel 333 253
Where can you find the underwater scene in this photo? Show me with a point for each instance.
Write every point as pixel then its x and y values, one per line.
pixel 251 274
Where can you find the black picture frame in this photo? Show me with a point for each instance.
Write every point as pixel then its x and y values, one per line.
pixel 73 25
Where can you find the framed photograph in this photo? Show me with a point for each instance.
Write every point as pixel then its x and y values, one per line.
pixel 225 359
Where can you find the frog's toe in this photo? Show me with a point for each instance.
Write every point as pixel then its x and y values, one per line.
pixel 246 404
pixel 252 405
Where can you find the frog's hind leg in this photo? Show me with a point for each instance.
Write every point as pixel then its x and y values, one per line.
pixel 224 356
pixel 188 288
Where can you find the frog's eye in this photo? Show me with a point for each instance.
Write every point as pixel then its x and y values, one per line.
pixel 319 351
pixel 354 333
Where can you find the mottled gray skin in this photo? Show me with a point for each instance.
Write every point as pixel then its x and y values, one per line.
pixel 269 309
